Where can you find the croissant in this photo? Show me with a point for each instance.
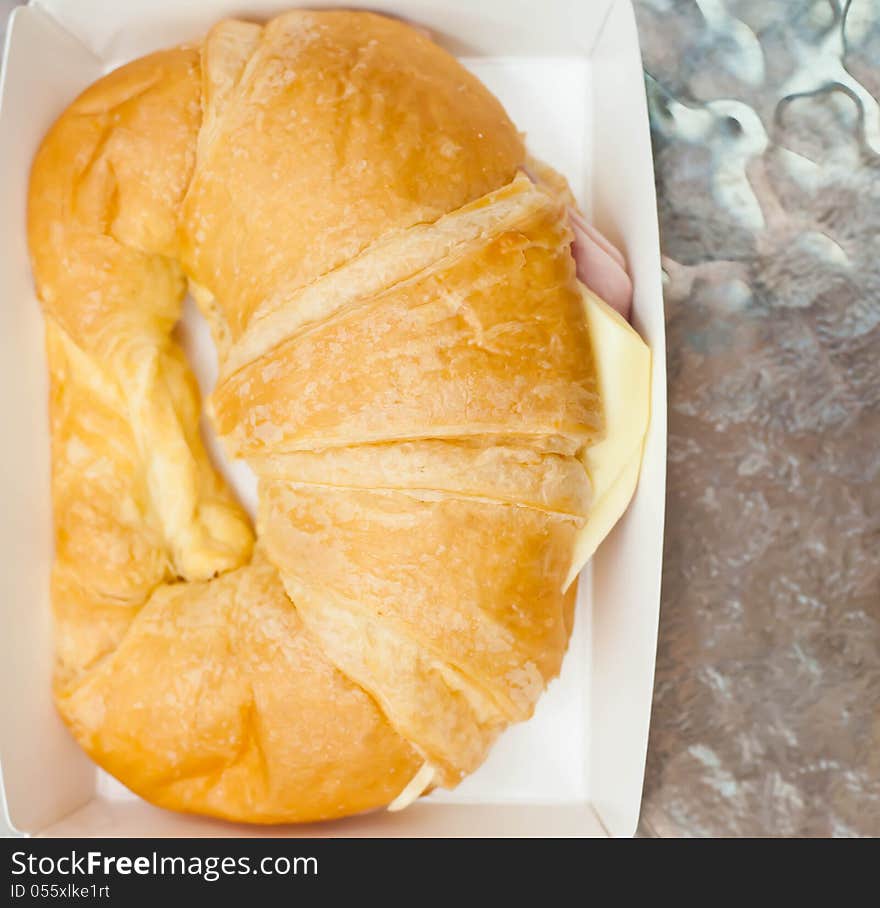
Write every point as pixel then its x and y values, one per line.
pixel 442 420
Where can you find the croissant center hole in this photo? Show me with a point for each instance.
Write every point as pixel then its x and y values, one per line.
pixel 193 334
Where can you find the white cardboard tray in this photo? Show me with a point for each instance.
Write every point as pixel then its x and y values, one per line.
pixel 569 73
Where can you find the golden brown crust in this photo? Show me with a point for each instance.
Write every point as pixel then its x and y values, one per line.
pixel 405 359
pixel 218 701
pixel 505 313
pixel 359 123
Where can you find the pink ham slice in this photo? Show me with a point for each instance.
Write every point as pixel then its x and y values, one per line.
pixel 600 265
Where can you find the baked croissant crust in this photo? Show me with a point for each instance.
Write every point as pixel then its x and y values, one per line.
pixel 405 362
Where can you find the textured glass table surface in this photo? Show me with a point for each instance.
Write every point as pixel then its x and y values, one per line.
pixel 766 131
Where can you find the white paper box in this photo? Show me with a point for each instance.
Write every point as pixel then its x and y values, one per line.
pixel 569 73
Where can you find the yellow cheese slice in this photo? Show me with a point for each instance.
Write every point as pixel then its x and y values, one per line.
pixel 623 365
pixel 413 789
